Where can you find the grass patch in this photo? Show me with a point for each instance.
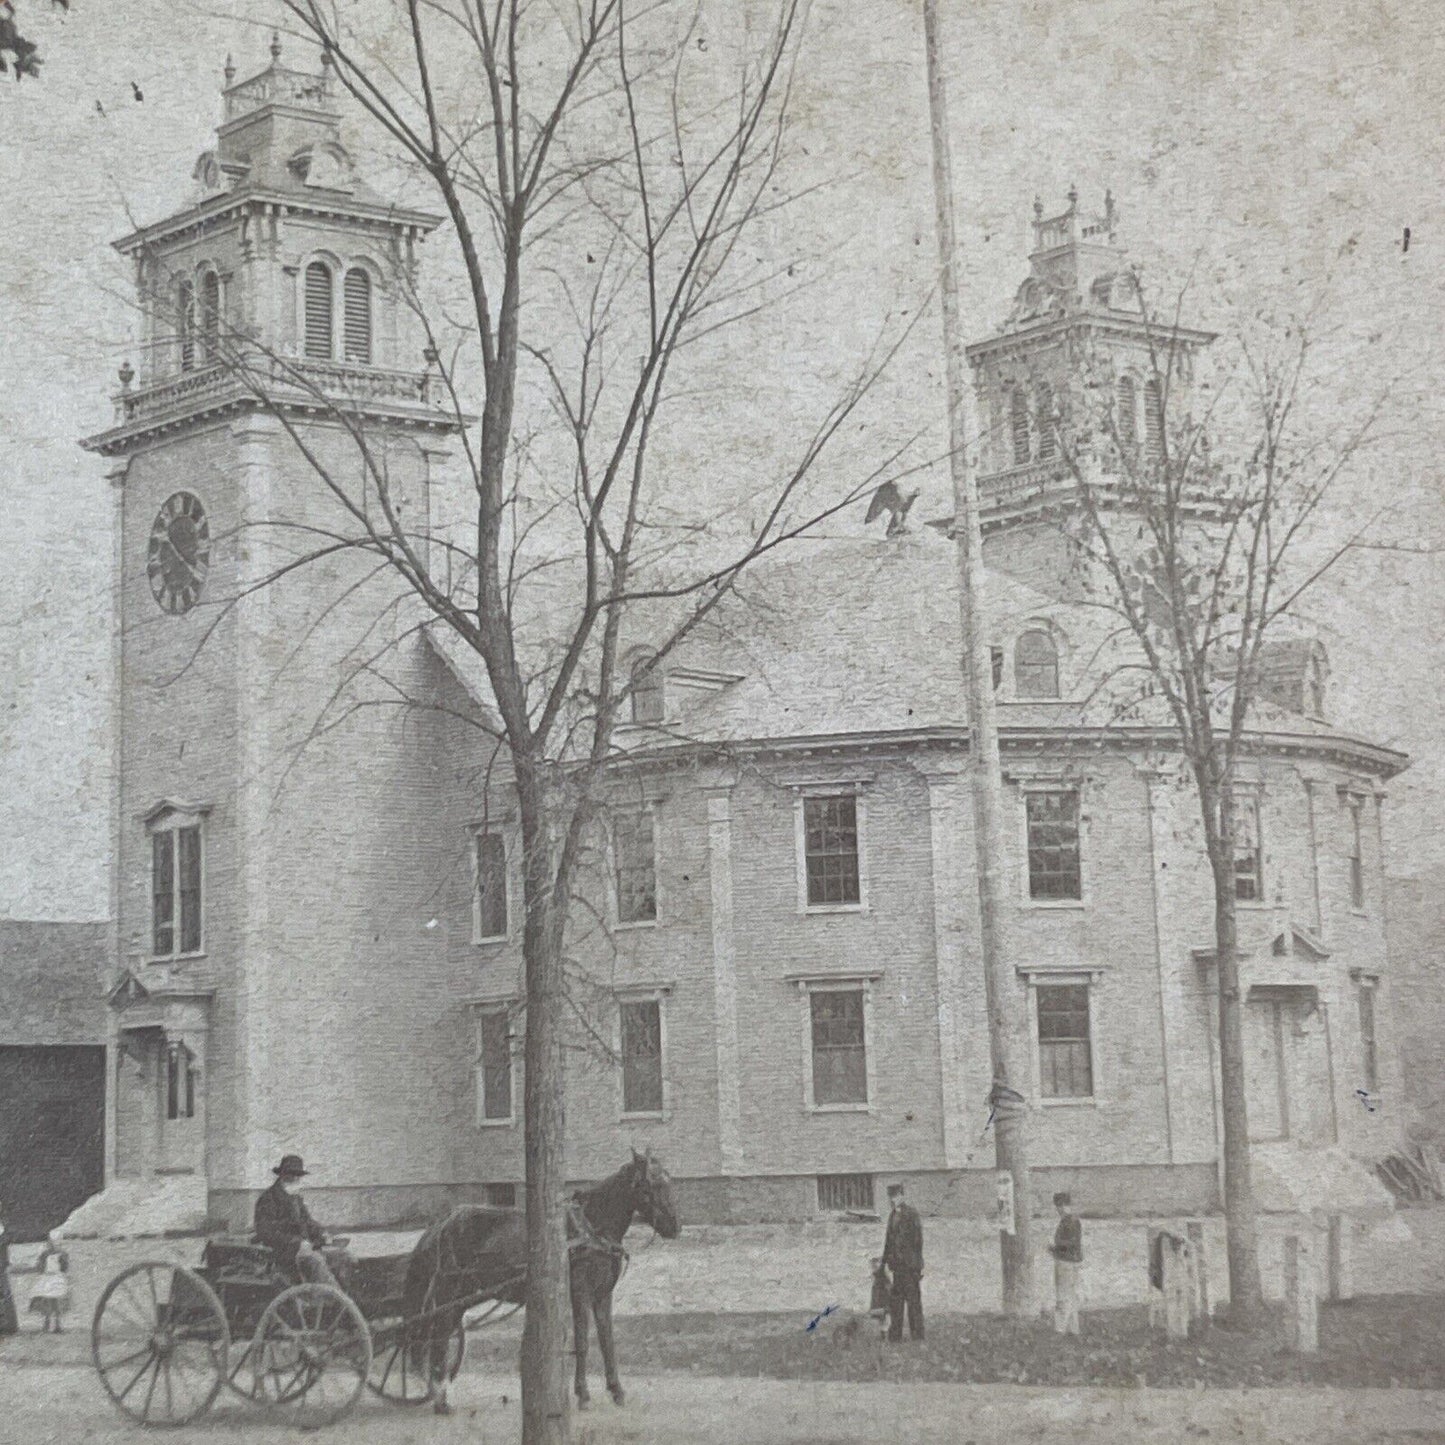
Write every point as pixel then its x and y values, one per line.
pixel 1382 1340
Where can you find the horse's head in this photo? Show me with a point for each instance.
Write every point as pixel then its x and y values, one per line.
pixel 652 1195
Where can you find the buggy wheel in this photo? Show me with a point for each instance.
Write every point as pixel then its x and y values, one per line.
pixel 311 1355
pixel 159 1342
pixel 403 1380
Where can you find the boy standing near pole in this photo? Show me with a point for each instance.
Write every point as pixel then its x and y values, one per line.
pixel 1068 1252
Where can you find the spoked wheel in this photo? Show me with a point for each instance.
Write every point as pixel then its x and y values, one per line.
pixel 251 1384
pixel 398 1377
pixel 159 1342
pixel 311 1355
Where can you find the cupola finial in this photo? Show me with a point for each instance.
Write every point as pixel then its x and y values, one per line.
pixel 276 47
pixel 230 70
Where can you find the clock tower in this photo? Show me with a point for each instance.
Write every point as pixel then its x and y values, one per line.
pixel 271 865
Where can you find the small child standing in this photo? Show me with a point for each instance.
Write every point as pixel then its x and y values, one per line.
pixel 50 1297
pixel 1068 1252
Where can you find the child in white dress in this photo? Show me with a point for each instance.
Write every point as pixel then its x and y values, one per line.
pixel 50 1296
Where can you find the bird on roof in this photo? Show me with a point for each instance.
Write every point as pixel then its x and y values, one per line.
pixel 889 499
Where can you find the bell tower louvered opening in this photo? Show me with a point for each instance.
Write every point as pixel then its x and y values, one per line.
pixel 357 319
pixel 318 311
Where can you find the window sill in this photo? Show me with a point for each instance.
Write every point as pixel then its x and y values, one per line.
pixel 506 1123
pixel 1359 912
pixel 656 1115
pixel 1253 905
pixel 171 959
pixel 634 925
pixel 826 910
pixel 839 1108
pixel 1056 905
pixel 1088 1101
pixel 491 940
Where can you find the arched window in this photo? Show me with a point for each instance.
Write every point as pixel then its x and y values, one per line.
pixel 318 311
pixel 186 324
pixel 1153 420
pixel 210 316
pixel 1315 686
pixel 1044 413
pixel 1125 418
pixel 356 323
pixel 1036 665
pixel 647 700
pixel 1019 424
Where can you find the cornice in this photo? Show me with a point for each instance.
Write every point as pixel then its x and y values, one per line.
pixel 208 214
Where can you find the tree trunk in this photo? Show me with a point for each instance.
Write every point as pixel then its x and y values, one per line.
pixel 544 1336
pixel 1246 1295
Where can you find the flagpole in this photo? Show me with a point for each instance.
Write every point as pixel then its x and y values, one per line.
pixel 1004 998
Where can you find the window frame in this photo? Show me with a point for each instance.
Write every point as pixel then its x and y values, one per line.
pixel 1126 413
pixel 614 881
pixel 478 834
pixel 180 1084
pixel 171 821
pixel 345 275
pixel 844 983
pixel 1091 977
pixel 1021 439
pixel 656 995
pixel 650 668
pixel 1247 802
pixel 303 312
pixel 208 324
pixel 837 1179
pixel 1355 854
pixel 1367 988
pixel 502 1008
pixel 803 794
pixel 1034 787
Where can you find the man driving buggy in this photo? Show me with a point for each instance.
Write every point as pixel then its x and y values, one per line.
pixel 285 1226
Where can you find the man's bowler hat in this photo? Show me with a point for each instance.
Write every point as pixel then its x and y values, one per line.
pixel 290 1167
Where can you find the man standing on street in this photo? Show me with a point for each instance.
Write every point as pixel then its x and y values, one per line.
pixel 1068 1252
pixel 903 1256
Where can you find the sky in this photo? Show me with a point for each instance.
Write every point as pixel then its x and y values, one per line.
pixel 1268 156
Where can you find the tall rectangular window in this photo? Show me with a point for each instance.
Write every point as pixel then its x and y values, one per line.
pixel 491 903
pixel 318 311
pixel 1248 857
pixel 840 1060
pixel 641 1056
pixel 1053 845
pixel 830 849
pixel 356 315
pixel 1357 854
pixel 180 1082
pixel 163 893
pixel 176 891
pixel 634 859
pixel 494 1064
pixel 1065 1062
pixel 1367 1039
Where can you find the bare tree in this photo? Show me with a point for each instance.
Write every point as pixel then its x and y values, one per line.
pixel 1201 514
pixel 598 196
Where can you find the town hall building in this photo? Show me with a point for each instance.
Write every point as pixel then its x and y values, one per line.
pixel 318 941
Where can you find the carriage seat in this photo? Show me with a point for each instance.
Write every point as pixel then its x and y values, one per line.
pixel 235 1258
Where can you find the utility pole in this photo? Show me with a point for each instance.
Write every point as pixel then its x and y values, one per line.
pixel 1005 1034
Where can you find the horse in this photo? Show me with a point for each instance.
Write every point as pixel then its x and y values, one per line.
pixel 478 1253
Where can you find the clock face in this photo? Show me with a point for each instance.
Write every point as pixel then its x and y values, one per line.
pixel 179 555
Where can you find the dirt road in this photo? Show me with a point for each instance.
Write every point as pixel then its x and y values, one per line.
pixel 63 1405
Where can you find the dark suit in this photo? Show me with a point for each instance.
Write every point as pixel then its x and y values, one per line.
pixel 903 1255
pixel 283 1224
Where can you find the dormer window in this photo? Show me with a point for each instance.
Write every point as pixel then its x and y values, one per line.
pixel 648 703
pixel 318 311
pixel 1036 665
pixel 1019 424
pixel 356 322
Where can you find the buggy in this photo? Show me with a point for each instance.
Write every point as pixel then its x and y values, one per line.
pixel 165 1338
